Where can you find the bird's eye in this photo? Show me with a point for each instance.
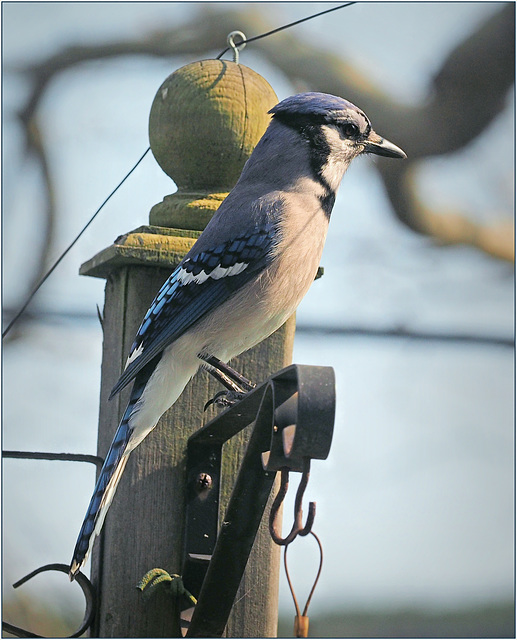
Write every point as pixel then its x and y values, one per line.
pixel 351 130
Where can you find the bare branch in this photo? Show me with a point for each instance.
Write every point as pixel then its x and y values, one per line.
pixel 467 94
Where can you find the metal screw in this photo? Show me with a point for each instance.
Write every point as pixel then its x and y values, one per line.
pixel 204 482
pixel 236 47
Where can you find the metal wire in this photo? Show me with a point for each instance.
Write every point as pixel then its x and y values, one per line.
pixel 286 26
pixel 57 262
pixel 240 45
pixel 291 588
pixel 43 455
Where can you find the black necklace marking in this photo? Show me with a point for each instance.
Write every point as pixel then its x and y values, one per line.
pixel 310 128
pixel 318 157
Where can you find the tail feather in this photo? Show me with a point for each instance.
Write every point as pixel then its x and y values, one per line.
pixel 104 491
pixel 125 440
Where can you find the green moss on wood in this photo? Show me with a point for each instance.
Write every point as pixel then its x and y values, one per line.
pixel 206 145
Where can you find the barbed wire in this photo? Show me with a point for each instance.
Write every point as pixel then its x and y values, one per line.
pixel 24 306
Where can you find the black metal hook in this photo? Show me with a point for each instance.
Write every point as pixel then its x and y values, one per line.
pixel 292 414
pixel 87 589
pixel 298 528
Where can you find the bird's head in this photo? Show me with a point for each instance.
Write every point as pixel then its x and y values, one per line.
pixel 336 130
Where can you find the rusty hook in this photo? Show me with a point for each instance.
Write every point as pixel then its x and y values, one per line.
pixel 298 528
pixel 87 589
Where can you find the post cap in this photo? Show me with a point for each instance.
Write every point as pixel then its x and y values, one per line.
pixel 205 121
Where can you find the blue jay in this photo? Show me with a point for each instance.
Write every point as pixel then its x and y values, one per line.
pixel 245 275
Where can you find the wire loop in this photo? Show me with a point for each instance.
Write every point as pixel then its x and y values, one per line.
pixel 236 47
pixel 291 24
pixel 302 621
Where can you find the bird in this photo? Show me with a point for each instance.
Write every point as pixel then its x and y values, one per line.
pixel 244 276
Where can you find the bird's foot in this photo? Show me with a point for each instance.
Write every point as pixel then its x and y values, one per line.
pixel 237 386
pixel 225 399
pixel 227 375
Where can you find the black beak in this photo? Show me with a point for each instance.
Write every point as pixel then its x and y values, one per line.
pixel 381 147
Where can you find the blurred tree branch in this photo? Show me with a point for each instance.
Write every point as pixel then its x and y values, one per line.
pixel 466 95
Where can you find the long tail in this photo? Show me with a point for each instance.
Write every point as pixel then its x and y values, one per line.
pixel 107 482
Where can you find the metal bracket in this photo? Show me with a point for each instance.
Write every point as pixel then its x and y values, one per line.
pixel 293 415
pixel 86 587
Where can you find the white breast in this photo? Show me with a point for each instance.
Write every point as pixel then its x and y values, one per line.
pixel 263 306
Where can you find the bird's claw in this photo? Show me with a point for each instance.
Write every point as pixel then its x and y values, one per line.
pixel 225 399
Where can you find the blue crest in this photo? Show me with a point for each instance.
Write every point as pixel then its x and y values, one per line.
pixel 312 103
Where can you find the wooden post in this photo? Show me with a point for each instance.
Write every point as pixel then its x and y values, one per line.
pixel 205 120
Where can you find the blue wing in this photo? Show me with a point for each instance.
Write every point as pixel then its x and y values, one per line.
pixel 200 283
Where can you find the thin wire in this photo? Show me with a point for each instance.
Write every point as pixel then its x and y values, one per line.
pixel 56 263
pixel 290 584
pixel 51 270
pixel 317 575
pixel 286 26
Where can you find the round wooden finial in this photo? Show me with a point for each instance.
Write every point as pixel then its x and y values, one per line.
pixel 205 121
